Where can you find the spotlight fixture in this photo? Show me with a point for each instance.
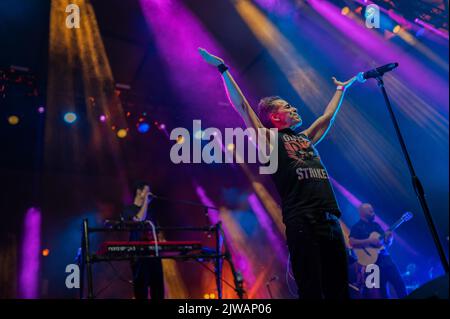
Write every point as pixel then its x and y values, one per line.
pixel 13 120
pixel 143 127
pixel 70 117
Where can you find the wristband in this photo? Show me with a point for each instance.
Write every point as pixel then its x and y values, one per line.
pixel 340 88
pixel 222 68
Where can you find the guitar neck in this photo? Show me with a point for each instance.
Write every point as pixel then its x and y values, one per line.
pixel 397 224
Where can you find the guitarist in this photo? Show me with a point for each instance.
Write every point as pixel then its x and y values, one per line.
pixel 359 238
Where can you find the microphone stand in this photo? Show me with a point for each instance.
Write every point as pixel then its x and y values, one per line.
pixel 417 185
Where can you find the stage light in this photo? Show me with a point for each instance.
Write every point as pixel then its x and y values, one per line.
pixel 212 296
pixel 206 296
pixel 41 109
pixel 70 117
pixel 180 139
pixel 420 32
pixel 45 252
pixel 13 120
pixel 30 261
pixel 102 118
pixel 122 133
pixel 162 126
pixel 397 29
pixel 345 11
pixel 143 127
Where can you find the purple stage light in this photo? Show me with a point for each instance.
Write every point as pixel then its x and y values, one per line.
pixel 29 269
pixel 242 262
pixel 432 28
pixel 266 224
pixel 349 196
pixel 41 109
pixel 382 51
pixel 102 118
pixel 278 7
pixel 172 22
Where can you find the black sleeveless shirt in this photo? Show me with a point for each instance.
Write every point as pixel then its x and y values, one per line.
pixel 301 179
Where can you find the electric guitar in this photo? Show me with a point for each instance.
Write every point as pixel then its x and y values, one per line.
pixel 369 255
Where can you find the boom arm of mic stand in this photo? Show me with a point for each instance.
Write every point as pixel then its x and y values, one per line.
pixel 189 203
pixel 185 202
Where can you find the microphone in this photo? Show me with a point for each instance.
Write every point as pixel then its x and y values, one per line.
pixel 363 76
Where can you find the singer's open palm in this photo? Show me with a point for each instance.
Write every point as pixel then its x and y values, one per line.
pixel 347 83
pixel 209 58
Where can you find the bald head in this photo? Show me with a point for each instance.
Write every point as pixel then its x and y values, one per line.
pixel 366 212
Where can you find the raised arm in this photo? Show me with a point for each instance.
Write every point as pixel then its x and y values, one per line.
pixel 317 131
pixel 234 93
pixel 142 213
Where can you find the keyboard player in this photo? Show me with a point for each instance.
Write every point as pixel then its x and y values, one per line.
pixel 147 272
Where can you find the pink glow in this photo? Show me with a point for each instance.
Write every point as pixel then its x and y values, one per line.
pixel 349 196
pixel 29 269
pixel 279 7
pixel 266 224
pixel 431 28
pixel 178 34
pixel 212 213
pixel 243 264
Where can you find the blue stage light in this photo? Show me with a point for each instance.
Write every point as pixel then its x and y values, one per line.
pixel 70 117
pixel 143 127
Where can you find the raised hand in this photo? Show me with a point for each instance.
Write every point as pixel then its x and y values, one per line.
pixel 345 84
pixel 209 58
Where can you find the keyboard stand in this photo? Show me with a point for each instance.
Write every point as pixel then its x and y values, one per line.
pixel 221 253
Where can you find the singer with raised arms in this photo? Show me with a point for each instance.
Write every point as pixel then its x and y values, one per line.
pixel 309 207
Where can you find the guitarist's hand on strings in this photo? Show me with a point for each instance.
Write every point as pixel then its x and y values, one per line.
pixel 375 242
pixel 388 237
